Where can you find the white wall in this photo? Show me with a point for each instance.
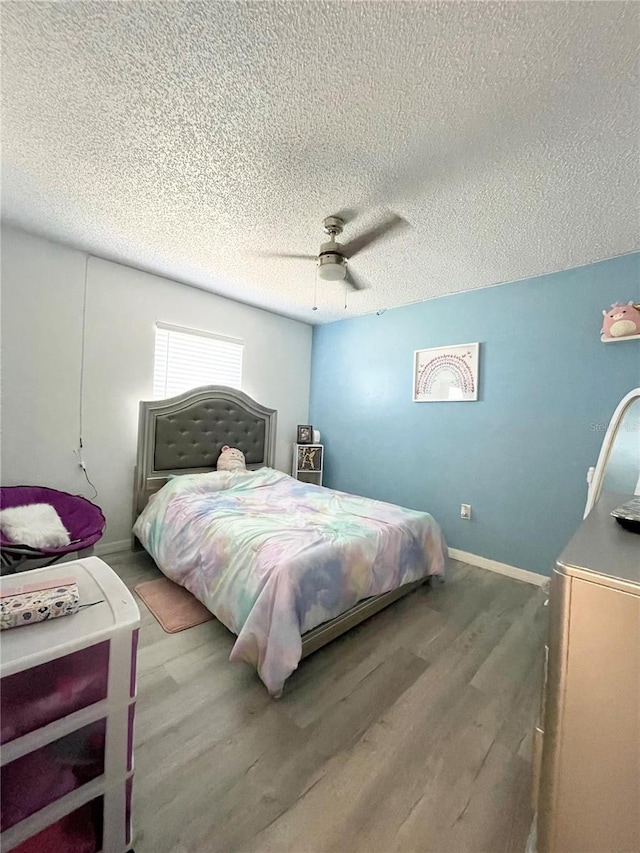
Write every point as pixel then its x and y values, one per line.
pixel 42 290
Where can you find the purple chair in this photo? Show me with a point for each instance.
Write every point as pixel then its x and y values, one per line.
pixel 83 520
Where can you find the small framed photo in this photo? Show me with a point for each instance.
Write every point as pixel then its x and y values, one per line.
pixel 305 434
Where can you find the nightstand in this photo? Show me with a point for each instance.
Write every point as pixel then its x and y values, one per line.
pixel 307 463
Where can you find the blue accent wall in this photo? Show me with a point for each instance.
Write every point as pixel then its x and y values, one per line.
pixel 519 455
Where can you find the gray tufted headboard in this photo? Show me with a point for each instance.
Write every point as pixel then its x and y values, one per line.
pixel 185 434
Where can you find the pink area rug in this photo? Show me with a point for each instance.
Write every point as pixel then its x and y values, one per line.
pixel 173 606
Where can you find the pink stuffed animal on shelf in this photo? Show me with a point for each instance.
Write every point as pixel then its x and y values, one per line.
pixel 231 459
pixel 621 320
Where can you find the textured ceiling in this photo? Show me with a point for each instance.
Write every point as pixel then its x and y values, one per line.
pixel 185 138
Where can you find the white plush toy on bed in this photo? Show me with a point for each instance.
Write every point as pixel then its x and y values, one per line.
pixel 231 459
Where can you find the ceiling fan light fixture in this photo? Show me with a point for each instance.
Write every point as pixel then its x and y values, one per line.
pixel 332 267
pixel 334 259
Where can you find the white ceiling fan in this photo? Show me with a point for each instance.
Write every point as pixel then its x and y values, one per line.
pixel 333 259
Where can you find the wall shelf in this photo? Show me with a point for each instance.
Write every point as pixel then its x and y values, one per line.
pixel 619 340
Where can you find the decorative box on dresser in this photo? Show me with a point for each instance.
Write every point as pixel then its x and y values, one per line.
pixel 587 743
pixel 68 694
pixel 308 462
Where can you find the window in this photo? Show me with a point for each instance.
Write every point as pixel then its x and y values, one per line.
pixel 186 358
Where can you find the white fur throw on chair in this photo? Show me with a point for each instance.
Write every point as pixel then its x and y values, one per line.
pixel 35 525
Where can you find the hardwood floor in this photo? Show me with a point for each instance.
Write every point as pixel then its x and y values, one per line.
pixel 410 733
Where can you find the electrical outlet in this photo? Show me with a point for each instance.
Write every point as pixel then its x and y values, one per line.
pixel 465 511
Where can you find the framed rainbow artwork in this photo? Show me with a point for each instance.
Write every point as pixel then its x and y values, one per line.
pixel 446 374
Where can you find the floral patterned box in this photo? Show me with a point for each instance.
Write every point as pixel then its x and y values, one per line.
pixel 24 604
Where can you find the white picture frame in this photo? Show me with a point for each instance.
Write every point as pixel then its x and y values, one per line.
pixel 446 374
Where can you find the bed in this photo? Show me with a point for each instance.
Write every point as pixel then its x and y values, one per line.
pixel 286 566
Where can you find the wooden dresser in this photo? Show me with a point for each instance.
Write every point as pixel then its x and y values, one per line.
pixel 587 743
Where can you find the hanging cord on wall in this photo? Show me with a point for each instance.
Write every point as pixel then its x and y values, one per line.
pixel 78 452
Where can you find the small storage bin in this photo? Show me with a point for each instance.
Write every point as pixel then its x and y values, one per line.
pixel 78 832
pixel 38 778
pixel 38 696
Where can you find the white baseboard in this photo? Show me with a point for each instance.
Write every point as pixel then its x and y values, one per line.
pixel 500 568
pixel 104 548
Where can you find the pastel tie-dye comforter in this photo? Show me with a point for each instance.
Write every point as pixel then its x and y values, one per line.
pixel 272 557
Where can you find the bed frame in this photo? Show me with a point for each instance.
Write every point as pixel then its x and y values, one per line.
pixel 185 434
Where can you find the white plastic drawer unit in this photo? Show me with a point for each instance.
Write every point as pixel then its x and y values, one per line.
pixel 67 698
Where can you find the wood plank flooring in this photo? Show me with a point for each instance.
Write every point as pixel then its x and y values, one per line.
pixel 410 733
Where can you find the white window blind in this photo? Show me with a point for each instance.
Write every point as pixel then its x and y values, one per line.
pixel 186 358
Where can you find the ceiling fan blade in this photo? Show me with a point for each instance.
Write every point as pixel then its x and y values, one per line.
pixel 354 282
pixel 347 214
pixel 393 223
pixel 287 255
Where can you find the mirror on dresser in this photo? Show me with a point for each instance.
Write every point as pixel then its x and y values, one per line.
pixel 618 468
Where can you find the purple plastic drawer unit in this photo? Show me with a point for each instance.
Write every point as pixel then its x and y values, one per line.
pixel 68 690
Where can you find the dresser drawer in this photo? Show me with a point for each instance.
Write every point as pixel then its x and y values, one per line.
pixel 35 697
pixel 78 832
pixel 35 780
